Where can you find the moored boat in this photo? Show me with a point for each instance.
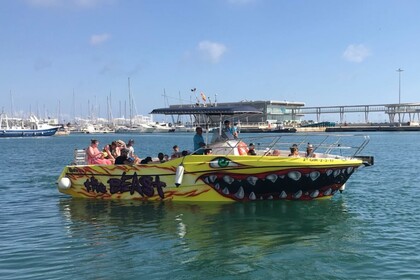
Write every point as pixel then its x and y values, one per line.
pixel 63 131
pixel 34 129
pixel 229 173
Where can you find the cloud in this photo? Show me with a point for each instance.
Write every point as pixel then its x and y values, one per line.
pixel 356 53
pixel 211 50
pixel 99 39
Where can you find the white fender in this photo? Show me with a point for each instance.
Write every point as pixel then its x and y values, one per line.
pixel 342 188
pixel 179 175
pixel 64 183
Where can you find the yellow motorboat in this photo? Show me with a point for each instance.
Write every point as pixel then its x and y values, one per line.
pixel 229 173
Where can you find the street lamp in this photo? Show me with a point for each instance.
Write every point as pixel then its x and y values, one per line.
pixel 399 70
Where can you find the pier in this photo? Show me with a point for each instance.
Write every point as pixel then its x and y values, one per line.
pixel 399 111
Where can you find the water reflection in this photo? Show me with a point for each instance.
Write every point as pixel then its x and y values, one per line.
pixel 202 239
pixel 262 223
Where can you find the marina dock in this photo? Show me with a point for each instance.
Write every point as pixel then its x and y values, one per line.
pixel 358 128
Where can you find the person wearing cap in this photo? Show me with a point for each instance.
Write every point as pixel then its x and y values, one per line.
pixel 251 150
pixel 294 151
pixel 310 151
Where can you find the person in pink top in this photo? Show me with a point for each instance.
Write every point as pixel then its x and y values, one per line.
pixel 94 155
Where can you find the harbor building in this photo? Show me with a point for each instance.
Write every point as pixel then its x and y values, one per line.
pixel 273 112
pixel 280 114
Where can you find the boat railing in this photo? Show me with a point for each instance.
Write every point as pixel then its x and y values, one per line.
pixel 328 146
pixel 79 157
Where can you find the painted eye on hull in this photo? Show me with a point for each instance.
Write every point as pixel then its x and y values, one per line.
pixel 222 162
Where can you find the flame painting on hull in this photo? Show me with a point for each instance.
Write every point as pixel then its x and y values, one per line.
pixel 211 178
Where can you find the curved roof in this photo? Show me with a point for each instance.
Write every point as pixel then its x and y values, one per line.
pixel 232 110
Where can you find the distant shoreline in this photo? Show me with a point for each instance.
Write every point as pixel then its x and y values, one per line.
pixel 371 128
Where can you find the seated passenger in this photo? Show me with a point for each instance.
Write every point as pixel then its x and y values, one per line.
pixel 208 151
pixel 94 156
pixel 123 158
pixel 108 153
pixel 276 153
pixel 310 151
pixel 294 151
pixel 115 150
pixel 161 158
pixel 130 147
pixel 251 151
pixel 228 133
pixel 176 153
pixel 146 160
pixel 121 144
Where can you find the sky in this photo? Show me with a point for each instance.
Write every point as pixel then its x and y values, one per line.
pixel 83 57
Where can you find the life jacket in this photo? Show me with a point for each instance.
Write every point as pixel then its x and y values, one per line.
pixel 242 148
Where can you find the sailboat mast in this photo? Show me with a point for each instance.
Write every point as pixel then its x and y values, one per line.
pixel 74 108
pixel 130 103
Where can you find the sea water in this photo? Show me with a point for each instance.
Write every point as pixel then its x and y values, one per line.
pixel 370 231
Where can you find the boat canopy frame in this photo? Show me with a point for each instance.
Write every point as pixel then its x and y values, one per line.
pixel 220 111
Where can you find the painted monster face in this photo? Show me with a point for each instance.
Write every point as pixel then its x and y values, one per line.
pixel 236 182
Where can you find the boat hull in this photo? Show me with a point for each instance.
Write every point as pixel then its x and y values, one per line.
pixel 282 130
pixel 211 178
pixel 27 132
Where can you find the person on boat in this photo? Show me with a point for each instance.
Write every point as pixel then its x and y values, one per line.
pixel 198 141
pixel 208 151
pixel 162 158
pixel 123 158
pixel 235 130
pixel 94 155
pixel 251 149
pixel 176 153
pixel 121 144
pixel 146 160
pixel 130 146
pixel 310 151
pixel 131 154
pixel 108 154
pixel 115 150
pixel 228 133
pixel 294 151
pixel 275 153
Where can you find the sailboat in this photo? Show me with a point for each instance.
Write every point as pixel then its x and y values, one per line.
pixel 138 123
